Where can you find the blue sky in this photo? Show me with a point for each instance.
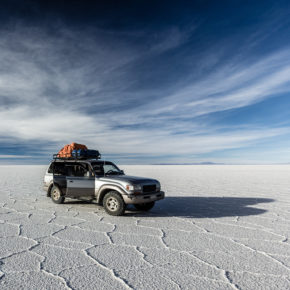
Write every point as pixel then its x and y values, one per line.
pixel 173 82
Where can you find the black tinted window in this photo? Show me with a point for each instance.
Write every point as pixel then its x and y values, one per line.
pixel 79 169
pixel 57 168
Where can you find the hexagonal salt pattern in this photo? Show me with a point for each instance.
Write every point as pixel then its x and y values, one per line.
pixel 220 227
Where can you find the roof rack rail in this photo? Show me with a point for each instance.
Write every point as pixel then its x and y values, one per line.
pixel 75 155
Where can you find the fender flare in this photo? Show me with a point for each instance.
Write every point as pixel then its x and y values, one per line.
pixel 49 188
pixel 106 188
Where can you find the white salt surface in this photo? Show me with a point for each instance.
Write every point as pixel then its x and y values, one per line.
pixel 220 227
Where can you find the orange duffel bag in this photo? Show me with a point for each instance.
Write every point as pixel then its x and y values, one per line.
pixel 67 149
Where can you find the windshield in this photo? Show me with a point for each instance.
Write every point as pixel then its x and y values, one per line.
pixel 106 168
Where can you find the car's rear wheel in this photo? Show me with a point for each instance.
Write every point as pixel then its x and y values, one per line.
pixel 144 206
pixel 56 195
pixel 114 203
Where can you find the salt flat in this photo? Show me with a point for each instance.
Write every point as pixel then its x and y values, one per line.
pixel 220 227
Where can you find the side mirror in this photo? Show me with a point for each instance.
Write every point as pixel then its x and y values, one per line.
pixel 122 171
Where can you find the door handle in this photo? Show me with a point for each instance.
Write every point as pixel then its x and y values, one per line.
pixel 71 181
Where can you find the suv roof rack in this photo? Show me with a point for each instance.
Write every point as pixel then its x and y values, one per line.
pixel 76 156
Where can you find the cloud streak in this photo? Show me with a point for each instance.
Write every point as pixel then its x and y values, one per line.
pixel 67 86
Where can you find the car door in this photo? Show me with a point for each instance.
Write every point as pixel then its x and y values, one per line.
pixel 58 172
pixel 80 181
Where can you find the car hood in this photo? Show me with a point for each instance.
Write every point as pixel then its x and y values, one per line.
pixel 130 179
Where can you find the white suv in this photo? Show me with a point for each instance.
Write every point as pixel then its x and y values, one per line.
pixel 102 181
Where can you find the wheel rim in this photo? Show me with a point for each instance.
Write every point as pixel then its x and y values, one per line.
pixel 112 204
pixel 55 194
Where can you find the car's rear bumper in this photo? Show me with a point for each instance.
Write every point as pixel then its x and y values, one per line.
pixel 143 198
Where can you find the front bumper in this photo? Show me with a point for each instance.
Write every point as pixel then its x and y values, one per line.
pixel 143 198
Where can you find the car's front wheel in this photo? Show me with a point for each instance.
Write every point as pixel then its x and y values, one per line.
pixel 114 203
pixel 144 206
pixel 56 195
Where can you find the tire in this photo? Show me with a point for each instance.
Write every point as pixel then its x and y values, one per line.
pixel 56 195
pixel 114 204
pixel 144 206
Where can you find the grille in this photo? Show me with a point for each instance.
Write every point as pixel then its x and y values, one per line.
pixel 149 188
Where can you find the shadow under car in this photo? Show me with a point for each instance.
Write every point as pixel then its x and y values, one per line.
pixel 206 207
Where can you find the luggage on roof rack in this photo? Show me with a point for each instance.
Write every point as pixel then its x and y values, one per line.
pixel 79 156
pixel 86 154
pixel 77 151
pixel 67 150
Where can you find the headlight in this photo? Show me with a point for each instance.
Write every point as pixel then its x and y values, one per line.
pixel 136 187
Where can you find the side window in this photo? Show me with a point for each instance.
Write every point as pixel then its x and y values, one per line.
pixel 78 170
pixel 57 168
pixel 98 169
pixel 109 167
pixel 81 170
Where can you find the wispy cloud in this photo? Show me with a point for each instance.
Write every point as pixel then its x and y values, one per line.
pixel 72 86
pixel 234 85
pixel 14 156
